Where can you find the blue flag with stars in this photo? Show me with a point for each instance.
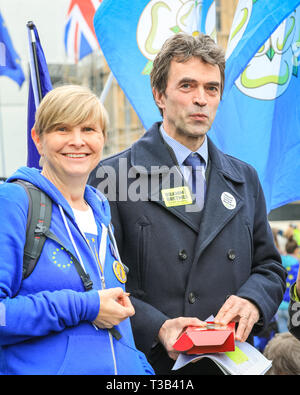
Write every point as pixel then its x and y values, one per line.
pixel 131 33
pixel 258 120
pixel 9 59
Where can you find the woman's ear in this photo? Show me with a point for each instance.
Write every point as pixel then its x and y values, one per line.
pixel 37 140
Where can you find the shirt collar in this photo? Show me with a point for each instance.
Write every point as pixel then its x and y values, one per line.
pixel 181 151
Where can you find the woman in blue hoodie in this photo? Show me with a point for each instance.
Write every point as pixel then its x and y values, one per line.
pixel 49 323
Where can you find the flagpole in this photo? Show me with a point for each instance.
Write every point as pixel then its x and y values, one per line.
pixel 34 69
pixel 106 87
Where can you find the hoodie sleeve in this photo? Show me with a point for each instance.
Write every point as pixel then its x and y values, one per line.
pixel 37 314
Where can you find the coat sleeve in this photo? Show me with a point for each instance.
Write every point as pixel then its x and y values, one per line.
pixel 267 281
pixel 36 314
pixel 146 324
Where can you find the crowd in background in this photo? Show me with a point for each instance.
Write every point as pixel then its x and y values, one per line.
pixel 276 343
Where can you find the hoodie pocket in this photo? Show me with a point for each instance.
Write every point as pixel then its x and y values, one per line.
pixel 87 355
pixel 92 355
pixel 130 361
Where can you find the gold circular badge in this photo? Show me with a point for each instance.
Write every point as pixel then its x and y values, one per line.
pixel 119 272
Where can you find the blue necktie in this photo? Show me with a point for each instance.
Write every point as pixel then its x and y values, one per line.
pixel 196 181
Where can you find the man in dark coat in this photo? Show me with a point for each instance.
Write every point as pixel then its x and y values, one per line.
pixel 195 238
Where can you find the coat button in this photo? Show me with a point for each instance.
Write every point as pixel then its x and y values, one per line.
pixel 231 255
pixel 182 255
pixel 192 297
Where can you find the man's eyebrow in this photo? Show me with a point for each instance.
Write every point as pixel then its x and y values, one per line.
pixel 192 80
pixel 187 79
pixel 214 83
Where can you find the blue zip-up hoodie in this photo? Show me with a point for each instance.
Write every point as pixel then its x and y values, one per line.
pixel 46 319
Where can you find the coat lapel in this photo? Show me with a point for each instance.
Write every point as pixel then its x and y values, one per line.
pixel 222 201
pixel 158 167
pixel 152 159
pixel 188 213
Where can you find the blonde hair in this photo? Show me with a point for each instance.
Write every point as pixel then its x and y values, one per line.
pixel 71 105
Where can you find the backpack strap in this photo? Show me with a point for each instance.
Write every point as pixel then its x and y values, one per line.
pixel 38 230
pixel 38 222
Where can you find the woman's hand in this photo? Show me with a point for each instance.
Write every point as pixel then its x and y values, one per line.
pixel 115 306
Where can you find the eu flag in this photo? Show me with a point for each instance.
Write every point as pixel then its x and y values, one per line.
pixel 9 59
pixel 39 85
pixel 258 120
pixel 131 33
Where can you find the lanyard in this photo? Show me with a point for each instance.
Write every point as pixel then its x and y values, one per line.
pixel 102 248
pixel 80 266
pixel 102 253
pixel 115 248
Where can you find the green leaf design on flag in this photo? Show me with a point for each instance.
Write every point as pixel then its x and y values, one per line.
pixel 148 68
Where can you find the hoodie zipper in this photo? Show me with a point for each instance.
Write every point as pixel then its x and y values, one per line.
pixel 100 265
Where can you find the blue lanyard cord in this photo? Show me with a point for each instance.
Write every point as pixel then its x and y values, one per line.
pixel 115 247
pixel 80 266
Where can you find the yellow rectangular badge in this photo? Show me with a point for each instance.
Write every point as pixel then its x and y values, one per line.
pixel 179 196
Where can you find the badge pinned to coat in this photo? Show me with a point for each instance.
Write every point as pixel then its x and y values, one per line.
pixel 228 200
pixel 179 196
pixel 119 271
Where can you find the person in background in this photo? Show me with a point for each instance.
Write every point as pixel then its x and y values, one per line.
pixel 278 238
pixel 262 339
pixel 294 308
pixel 296 236
pixel 49 322
pixel 284 352
pixel 291 264
pixel 292 231
pixel 196 240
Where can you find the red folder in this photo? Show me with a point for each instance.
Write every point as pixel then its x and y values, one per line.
pixel 210 339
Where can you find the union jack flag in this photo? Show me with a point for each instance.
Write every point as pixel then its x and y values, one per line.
pixel 80 37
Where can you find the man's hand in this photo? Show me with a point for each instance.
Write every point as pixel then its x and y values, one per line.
pixel 115 306
pixel 171 329
pixel 238 310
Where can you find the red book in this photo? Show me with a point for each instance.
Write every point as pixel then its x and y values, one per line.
pixel 203 340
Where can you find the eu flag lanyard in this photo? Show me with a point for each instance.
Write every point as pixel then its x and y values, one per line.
pixel 102 249
pixel 100 263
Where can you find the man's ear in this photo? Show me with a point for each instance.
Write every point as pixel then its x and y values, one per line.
pixel 159 99
pixel 37 140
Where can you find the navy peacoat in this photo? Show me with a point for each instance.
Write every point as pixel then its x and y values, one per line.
pixel 182 262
